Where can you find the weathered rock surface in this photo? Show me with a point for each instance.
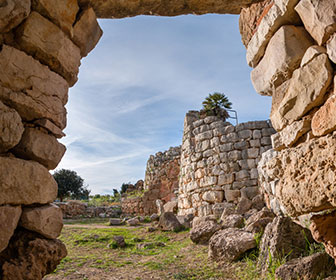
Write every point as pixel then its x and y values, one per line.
pixel 282 56
pixel 46 220
pixel 244 204
pixel 307 268
pixel 306 90
pixel 169 222
pixel 324 120
pixel 258 221
pixel 331 48
pixel 290 134
pixel 230 244
pixel 282 238
pixel 62 55
pixel 41 147
pixel 29 257
pixel 233 221
pixel 323 230
pixel 9 218
pixel 34 185
pixel 121 8
pixel 133 222
pixel 32 89
pixel 279 14
pixel 119 241
pixel 185 220
pixel 87 31
pixel 116 222
pixel 170 206
pixel 311 187
pixel 318 18
pixel 11 128
pixel 49 126
pixel 62 13
pixel 12 13
pixel 311 53
pixel 202 232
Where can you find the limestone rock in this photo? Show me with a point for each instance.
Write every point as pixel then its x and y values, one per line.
pixel 159 205
pixel 233 221
pixel 230 244
pixel 46 220
pixel 29 257
pixel 311 187
pixel 290 134
pixel 197 220
pixel 307 268
pixel 244 204
pixel 282 238
pixel 32 89
pixel 116 222
pixel 202 232
pixel 120 241
pixel 11 128
pixel 258 221
pixel 122 8
pixel 213 196
pixel 62 55
pixel 318 18
pixel 169 222
pixel 324 120
pixel 331 48
pixel 34 185
pixel 282 56
pixel 323 230
pixel 133 222
pixel 154 217
pixel 41 147
pixel 87 32
pixel 279 14
pixel 185 220
pixel 12 13
pixel 62 13
pixel 9 218
pixel 306 90
pixel 52 128
pixel 170 206
pixel 311 53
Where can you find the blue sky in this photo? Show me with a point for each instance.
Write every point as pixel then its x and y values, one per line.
pixel 136 86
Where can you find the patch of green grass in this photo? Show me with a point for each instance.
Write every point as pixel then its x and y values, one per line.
pixel 86 221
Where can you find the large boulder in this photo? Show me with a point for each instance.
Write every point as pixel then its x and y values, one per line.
pixel 33 185
pixel 46 220
pixel 9 218
pixel 185 220
pixel 282 238
pixel 12 13
pixel 30 257
pixel 202 232
pixel 11 128
pixel 307 268
pixel 169 222
pixel 230 244
pixel 170 206
pixel 257 222
pixel 283 55
pixel 233 221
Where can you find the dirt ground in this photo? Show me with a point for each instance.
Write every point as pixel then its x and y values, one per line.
pixel 92 255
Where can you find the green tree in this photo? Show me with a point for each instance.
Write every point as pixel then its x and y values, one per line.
pixel 70 185
pixel 216 104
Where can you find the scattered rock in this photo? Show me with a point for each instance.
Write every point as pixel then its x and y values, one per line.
pixel 170 206
pixel 186 220
pixel 154 217
pixel 116 222
pixel 46 220
pixel 233 221
pixel 258 221
pixel 258 202
pixel 119 241
pixel 244 204
pixel 307 268
pixel 151 229
pixel 230 244
pixel 282 238
pixel 133 222
pixel 202 232
pixel 169 222
pixel 198 220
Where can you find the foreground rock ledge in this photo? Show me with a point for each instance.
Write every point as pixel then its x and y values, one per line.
pixel 128 8
pixel 34 185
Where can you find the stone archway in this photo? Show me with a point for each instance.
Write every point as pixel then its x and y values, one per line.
pixel 290 44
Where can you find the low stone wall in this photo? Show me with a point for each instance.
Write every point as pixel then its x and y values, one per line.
pixel 41 45
pixel 75 210
pixel 293 53
pixel 161 182
pixel 219 162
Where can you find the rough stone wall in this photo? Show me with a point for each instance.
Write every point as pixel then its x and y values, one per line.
pixel 41 45
pixel 293 52
pixel 219 162
pixel 161 182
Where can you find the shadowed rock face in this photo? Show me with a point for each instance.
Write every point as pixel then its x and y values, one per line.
pixel 131 8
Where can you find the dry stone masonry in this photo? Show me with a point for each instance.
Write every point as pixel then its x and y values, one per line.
pixel 161 183
pixel 219 163
pixel 41 45
pixel 292 50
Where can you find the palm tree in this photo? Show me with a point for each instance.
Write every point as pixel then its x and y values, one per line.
pixel 216 104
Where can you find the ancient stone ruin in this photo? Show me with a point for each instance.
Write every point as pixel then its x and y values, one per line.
pixel 161 183
pixel 291 44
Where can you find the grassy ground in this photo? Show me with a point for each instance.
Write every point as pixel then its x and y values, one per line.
pixel 91 255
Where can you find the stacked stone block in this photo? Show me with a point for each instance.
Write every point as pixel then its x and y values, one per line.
pixel 41 45
pixel 219 162
pixel 161 182
pixel 293 52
